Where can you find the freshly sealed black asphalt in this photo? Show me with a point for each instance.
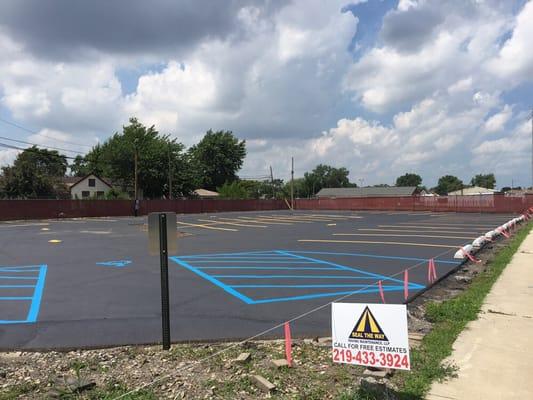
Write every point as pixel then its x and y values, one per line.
pixel 91 282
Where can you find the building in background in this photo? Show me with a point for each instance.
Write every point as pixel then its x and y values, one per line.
pixel 206 194
pixel 473 191
pixel 390 191
pixel 87 187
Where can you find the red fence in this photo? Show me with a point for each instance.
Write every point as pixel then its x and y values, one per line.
pixel 482 203
pixel 42 209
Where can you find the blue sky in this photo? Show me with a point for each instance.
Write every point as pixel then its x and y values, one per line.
pixel 380 87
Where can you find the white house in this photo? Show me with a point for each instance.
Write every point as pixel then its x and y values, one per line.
pixel 472 191
pixel 87 187
pixel 206 194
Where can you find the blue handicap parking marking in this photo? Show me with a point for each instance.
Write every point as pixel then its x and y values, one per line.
pixel 22 285
pixel 116 264
pixel 280 275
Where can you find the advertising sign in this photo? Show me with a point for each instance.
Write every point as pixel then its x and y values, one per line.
pixel 373 335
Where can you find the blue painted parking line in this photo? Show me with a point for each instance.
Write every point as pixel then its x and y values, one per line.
pixel 294 276
pixel 38 289
pixel 374 256
pixel 275 268
pixel 17 277
pixel 215 281
pixel 320 295
pixel 246 253
pixel 116 264
pixel 233 283
pixel 307 286
pixel 339 266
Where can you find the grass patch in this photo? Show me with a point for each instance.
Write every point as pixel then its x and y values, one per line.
pixel 17 391
pixel 109 392
pixel 450 318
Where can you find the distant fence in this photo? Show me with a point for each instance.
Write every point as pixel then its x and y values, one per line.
pixel 482 203
pixel 43 209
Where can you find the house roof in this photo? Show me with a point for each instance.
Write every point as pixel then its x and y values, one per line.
pixel 205 193
pixel 472 190
pixel 72 181
pixel 391 191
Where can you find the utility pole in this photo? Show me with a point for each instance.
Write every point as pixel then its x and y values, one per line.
pixel 272 183
pixel 135 168
pixel 169 173
pixel 292 183
pixel 532 149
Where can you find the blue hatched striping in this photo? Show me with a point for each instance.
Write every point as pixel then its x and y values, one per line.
pixel 201 264
pixel 38 277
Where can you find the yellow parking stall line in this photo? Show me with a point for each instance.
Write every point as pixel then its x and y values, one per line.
pixel 466 220
pixel 447 225
pixel 303 217
pixel 443 223
pixel 373 242
pixel 307 216
pixel 428 227
pixel 205 226
pixel 305 220
pixel 10 225
pixel 259 220
pixel 285 219
pixel 232 223
pixel 339 216
pixel 402 235
pixel 417 231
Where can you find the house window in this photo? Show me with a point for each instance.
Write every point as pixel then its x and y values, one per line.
pixel 85 194
pixel 92 182
pixel 100 194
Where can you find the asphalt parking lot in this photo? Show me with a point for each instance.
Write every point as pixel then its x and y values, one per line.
pixel 91 282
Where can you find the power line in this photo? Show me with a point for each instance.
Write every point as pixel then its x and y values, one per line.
pixel 40 145
pixel 9 146
pixel 41 134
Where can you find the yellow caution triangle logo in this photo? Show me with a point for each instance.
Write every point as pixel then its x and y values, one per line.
pixel 367 327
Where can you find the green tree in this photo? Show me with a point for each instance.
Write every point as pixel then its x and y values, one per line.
pixel 233 190
pixel 301 190
pixel 325 176
pixel 36 173
pixel 409 180
pixel 447 184
pixel 158 158
pixel 92 163
pixel 484 180
pixel 217 158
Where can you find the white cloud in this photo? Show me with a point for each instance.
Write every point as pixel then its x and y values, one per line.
pixel 7 156
pixel 515 59
pixel 462 85
pixel 387 78
pixel 497 122
pixel 282 77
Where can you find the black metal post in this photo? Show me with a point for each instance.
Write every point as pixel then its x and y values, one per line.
pixel 163 254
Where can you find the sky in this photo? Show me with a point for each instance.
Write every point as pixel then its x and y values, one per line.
pixel 380 87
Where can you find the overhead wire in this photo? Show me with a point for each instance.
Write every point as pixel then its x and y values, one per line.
pixel 42 134
pixel 41 145
pixel 10 146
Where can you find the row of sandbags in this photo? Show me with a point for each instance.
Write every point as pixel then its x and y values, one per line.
pixel 468 250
